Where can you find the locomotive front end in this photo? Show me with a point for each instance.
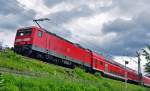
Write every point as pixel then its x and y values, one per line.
pixel 23 41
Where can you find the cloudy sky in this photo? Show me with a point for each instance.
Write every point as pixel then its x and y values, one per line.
pixel 115 27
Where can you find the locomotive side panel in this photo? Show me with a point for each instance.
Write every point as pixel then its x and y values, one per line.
pixel 39 40
pixel 54 45
pixel 69 50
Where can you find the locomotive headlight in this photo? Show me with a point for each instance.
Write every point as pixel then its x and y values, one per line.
pixel 26 39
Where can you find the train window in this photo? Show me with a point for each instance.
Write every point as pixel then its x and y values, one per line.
pixel 23 32
pixel 40 34
pixel 101 63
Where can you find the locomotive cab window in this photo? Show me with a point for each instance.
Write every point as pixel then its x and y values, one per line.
pixel 24 32
pixel 40 34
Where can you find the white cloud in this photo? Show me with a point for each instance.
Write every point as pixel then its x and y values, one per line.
pixel 96 4
pixel 62 7
pixel 7 38
pixel 92 4
pixel 42 10
pixel 36 5
pixel 90 28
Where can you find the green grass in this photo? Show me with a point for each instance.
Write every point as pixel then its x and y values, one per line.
pixel 53 78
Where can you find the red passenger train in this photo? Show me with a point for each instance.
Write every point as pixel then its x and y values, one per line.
pixel 34 41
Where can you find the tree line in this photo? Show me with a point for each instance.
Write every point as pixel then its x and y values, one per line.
pixel 146 54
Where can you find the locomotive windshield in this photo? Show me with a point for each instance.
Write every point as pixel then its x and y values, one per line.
pixel 24 32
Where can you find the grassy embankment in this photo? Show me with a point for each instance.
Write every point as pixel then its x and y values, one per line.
pixel 26 74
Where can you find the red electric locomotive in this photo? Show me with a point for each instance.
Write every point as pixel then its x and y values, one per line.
pixel 37 41
pixel 34 41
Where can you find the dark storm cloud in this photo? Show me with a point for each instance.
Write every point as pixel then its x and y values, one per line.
pixel 132 34
pixel 131 7
pixel 11 22
pixel 9 6
pixel 144 19
pixel 82 9
pixel 12 15
pixel 65 16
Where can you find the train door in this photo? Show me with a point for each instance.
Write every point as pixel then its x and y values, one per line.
pixel 106 67
pixel 40 40
pixel 46 46
pixel 102 65
pixel 87 58
pixel 94 63
pixel 48 42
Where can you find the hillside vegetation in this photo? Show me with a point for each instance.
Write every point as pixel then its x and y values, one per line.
pixel 20 73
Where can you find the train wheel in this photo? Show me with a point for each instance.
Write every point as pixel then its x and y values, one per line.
pixel 39 56
pixel 27 52
pixel 47 58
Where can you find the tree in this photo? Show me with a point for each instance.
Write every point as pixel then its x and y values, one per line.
pixel 146 54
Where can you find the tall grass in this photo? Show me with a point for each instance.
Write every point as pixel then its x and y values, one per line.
pixel 57 79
